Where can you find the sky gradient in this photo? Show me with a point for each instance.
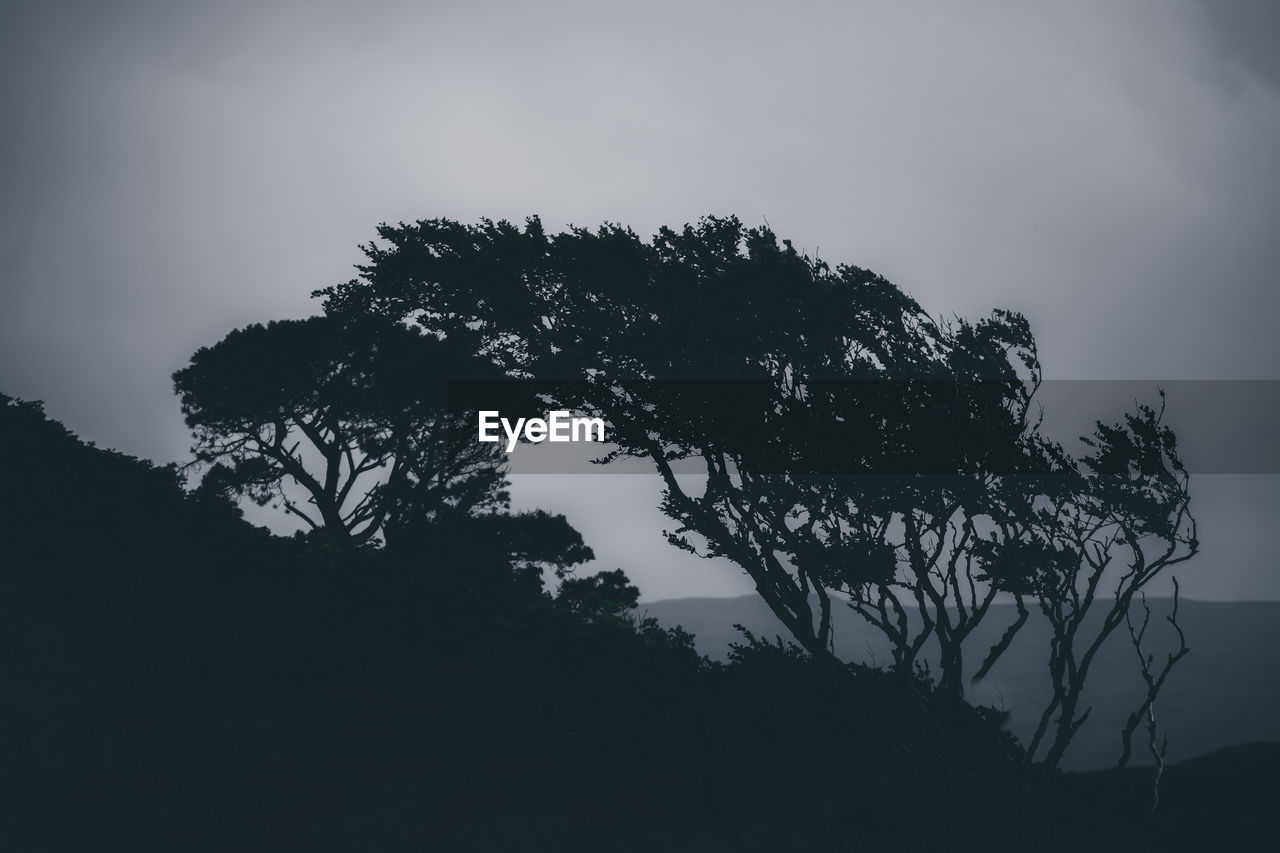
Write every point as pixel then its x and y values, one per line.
pixel 1109 169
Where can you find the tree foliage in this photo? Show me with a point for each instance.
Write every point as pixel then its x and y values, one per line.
pixel 354 413
pixel 850 443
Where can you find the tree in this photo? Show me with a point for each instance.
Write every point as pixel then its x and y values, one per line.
pixel 1126 524
pixel 604 595
pixel 804 372
pixel 849 442
pixel 354 413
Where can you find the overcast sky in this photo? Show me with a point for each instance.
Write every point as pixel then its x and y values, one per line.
pixel 1109 169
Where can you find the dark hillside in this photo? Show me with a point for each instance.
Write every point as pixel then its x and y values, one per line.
pixel 1217 697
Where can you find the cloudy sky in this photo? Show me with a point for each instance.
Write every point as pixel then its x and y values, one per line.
pixel 1109 169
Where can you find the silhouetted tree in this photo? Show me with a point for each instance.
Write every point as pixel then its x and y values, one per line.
pixel 807 371
pixel 1153 679
pixel 1126 524
pixel 850 443
pixel 601 596
pixel 353 413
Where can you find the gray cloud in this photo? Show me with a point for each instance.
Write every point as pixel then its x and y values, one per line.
pixel 173 172
pixel 1246 31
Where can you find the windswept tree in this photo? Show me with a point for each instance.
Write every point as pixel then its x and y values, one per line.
pixel 1126 524
pixel 806 378
pixel 345 424
pixel 853 449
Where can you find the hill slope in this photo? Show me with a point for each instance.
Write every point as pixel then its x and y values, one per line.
pixel 1225 692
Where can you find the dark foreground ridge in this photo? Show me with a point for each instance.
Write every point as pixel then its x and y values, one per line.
pixel 175 679
pixel 1218 698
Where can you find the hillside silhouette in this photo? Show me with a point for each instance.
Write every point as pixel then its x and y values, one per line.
pixel 424 668
pixel 175 677
pixel 1219 698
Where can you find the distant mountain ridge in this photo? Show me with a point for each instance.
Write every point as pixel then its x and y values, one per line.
pixel 1225 692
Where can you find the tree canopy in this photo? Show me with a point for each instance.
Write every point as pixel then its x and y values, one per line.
pixel 850 442
pixel 354 413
